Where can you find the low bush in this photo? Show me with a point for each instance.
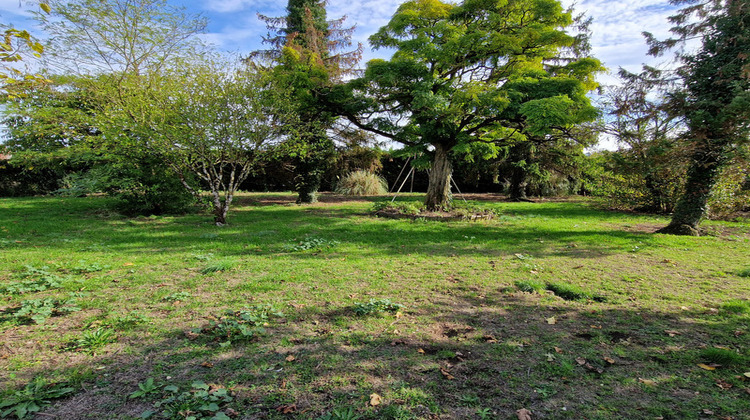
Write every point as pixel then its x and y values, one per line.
pixel 361 183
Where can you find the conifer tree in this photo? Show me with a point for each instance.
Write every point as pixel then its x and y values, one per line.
pixel 309 54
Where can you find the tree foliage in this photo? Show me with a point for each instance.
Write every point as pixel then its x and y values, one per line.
pixel 714 95
pixel 308 54
pixel 14 45
pixel 479 71
pixel 207 119
pixel 124 36
pixel 652 157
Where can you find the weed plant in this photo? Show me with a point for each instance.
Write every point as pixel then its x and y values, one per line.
pixel 376 307
pixel 238 326
pixel 32 398
pixel 40 310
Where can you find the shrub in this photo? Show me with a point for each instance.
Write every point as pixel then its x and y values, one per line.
pixel 729 195
pixel 362 183
pixel 144 186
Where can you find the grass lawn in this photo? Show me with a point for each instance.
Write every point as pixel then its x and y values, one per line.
pixel 557 307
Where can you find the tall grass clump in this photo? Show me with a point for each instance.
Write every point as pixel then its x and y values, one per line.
pixel 362 183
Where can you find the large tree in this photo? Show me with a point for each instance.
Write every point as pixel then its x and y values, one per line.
pixel 478 71
pixel 206 119
pixel 652 155
pixel 714 97
pixel 309 54
pixel 107 44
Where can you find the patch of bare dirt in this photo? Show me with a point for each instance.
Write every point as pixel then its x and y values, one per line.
pixel 718 231
pixel 390 213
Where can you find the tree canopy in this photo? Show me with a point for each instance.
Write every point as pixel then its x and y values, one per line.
pixel 476 72
pixel 714 96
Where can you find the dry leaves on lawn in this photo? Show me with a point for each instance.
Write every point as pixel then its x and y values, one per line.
pixel 523 414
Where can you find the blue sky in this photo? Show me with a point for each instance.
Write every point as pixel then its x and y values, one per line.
pixel 234 25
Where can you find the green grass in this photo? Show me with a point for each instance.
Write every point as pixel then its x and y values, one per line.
pixel 465 339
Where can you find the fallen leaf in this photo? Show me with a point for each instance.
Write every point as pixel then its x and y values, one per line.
pixel 594 369
pixel 446 374
pixel 191 335
pixel 708 412
pixel 550 357
pixel 420 351
pixel 609 360
pixel 738 333
pixel 648 382
pixel 707 367
pixel 375 399
pixel 287 409
pixel 128 264
pixel 558 350
pixel 207 364
pixel 523 414
pixel 672 333
pixel 723 384
pixel 747 374
pixel 597 327
pixel 399 314
pixel 231 412
pixel 551 321
pixel 581 361
pixel 290 358
pixel 489 339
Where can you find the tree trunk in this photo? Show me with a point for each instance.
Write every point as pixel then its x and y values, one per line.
pixel 517 189
pixel 220 208
pixel 439 187
pixel 307 183
pixel 691 208
pixel 311 167
pixel 520 155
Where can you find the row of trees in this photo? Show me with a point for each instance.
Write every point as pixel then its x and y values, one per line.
pixel 142 105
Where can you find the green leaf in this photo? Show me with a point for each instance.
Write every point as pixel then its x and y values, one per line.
pixel 199 385
pixel 45 7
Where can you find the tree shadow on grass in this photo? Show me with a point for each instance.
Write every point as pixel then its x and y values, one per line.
pixel 449 356
pixel 540 230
